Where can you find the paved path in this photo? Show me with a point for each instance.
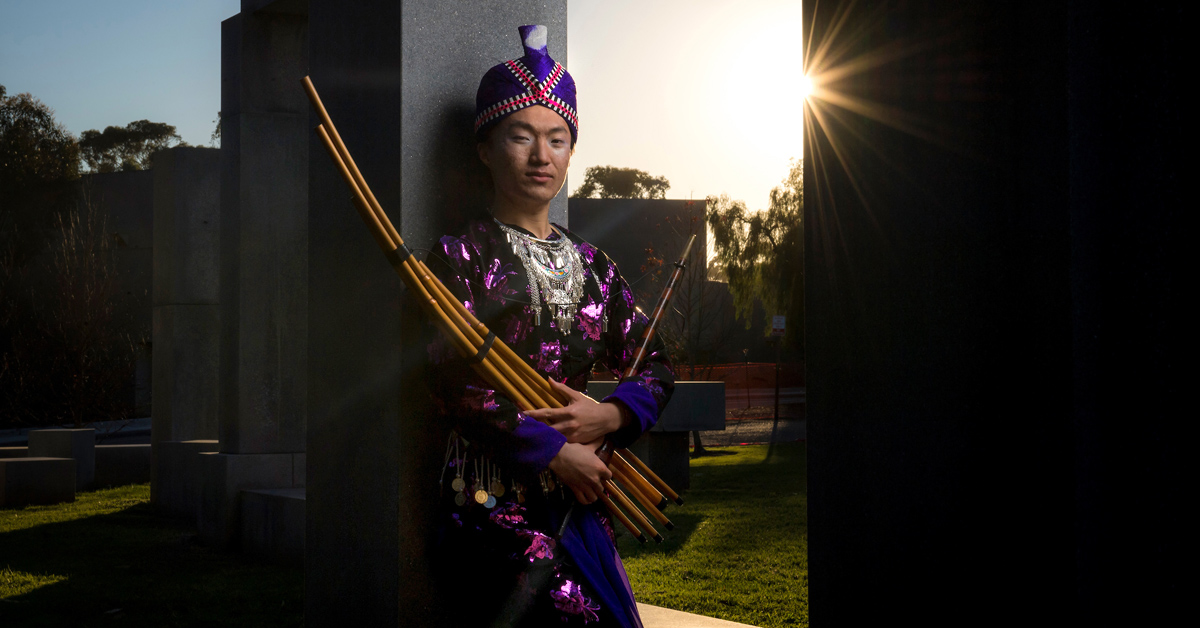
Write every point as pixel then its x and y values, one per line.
pixel 741 431
pixel 658 617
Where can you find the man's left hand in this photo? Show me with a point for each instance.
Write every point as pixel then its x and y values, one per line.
pixel 583 419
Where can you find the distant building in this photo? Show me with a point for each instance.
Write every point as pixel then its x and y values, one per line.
pixel 645 237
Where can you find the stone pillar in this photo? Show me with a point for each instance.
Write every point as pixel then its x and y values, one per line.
pixel 185 311
pixel 938 291
pixel 399 80
pixel 264 262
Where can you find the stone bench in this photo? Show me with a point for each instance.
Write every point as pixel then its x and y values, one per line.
pixel 118 465
pixel 77 444
pixel 14 452
pixel 37 480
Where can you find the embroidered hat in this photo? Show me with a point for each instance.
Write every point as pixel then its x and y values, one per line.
pixel 534 79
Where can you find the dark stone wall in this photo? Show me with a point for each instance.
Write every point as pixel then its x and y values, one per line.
pixel 399 80
pixel 126 199
pixel 264 232
pixel 966 302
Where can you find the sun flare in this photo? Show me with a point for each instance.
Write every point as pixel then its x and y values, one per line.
pixel 806 86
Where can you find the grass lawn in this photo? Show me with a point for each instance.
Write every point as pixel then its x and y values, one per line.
pixel 109 558
pixel 739 550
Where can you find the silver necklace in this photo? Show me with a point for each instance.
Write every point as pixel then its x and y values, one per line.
pixel 555 272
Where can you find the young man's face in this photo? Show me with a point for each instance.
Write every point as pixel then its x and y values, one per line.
pixel 528 154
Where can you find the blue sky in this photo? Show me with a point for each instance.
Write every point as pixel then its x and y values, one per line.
pixel 703 92
pixel 109 63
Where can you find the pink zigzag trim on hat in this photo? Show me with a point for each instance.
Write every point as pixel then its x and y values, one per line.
pixel 537 93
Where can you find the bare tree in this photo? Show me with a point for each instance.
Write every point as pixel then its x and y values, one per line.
pixel 69 359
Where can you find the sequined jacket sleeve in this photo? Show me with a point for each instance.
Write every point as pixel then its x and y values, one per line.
pixel 480 414
pixel 646 392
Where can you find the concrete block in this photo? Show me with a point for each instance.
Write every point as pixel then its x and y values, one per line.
pixel 14 452
pixel 118 465
pixel 272 524
pixel 77 444
pixel 37 480
pixel 187 212
pixel 667 454
pixel 185 372
pixel 224 476
pixel 264 288
pixel 175 474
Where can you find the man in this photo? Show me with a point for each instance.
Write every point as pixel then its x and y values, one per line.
pixel 562 305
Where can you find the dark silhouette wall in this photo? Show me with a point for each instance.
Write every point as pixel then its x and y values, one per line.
pixel 992 356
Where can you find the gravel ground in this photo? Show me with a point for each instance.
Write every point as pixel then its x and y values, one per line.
pixel 757 425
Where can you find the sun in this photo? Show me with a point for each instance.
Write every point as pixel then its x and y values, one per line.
pixel 806 86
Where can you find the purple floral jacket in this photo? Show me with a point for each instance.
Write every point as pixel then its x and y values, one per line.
pixel 483 272
pixel 582 576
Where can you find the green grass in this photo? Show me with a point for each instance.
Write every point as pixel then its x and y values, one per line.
pixel 111 558
pixel 739 550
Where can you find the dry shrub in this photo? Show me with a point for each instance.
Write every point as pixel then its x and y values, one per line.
pixel 66 358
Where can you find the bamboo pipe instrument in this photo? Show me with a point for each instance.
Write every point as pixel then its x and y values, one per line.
pixel 462 327
pixel 620 516
pixel 632 488
pixel 633 511
pixel 390 240
pixel 617 463
pixel 627 457
pixel 648 335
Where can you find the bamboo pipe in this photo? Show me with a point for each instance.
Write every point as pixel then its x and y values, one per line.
pixel 620 516
pixel 625 455
pixel 521 366
pixel 536 400
pixel 642 498
pixel 381 220
pixel 652 493
pixel 389 240
pixel 445 323
pixel 634 513
pixel 327 122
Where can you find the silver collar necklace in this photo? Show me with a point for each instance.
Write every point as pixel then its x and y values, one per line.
pixel 555 271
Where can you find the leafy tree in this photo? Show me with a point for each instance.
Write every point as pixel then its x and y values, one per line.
pixel 214 140
pixel 39 164
pixel 614 182
pixel 130 147
pixel 34 148
pixel 762 253
pixel 64 356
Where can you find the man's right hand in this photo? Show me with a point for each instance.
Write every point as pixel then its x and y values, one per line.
pixel 577 466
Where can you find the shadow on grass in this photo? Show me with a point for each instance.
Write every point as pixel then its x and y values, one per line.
pixel 709 452
pixel 740 550
pixel 685 525
pixel 724 487
pixel 138 567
